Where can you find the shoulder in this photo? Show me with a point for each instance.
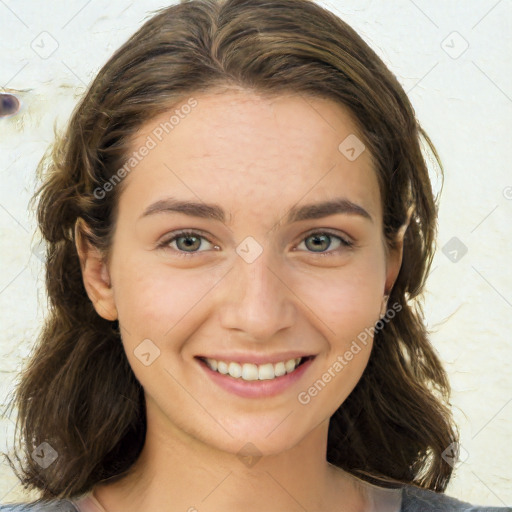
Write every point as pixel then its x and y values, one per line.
pixel 415 499
pixel 49 506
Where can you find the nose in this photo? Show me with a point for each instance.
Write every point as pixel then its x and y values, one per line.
pixel 258 301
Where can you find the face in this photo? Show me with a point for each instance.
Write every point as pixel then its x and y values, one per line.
pixel 260 277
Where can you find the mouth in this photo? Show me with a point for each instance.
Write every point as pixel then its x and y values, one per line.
pixel 251 372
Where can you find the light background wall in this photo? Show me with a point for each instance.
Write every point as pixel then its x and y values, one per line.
pixel 455 61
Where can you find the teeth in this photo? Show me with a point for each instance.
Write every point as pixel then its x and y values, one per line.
pixel 235 370
pixel 222 367
pixel 290 365
pixel 279 369
pixel 249 371
pixel 266 371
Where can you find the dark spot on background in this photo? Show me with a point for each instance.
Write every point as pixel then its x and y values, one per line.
pixel 9 104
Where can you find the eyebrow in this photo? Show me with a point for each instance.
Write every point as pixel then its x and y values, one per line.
pixel 296 213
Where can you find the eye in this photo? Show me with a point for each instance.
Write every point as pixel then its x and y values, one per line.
pixel 187 243
pixel 319 242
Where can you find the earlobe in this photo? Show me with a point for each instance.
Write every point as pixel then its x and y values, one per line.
pixel 384 306
pixel 95 274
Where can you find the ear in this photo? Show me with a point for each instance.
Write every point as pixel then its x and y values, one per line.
pixel 394 262
pixel 95 273
pixel 395 254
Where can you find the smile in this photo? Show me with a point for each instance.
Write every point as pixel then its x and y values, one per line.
pixel 255 376
pixel 251 372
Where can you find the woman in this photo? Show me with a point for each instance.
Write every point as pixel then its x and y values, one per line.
pixel 239 223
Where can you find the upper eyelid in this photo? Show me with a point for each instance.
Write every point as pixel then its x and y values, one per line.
pixel 327 231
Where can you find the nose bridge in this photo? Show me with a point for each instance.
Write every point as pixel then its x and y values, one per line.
pixel 258 301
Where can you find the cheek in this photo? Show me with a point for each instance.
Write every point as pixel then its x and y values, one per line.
pixel 156 298
pixel 346 304
pixel 347 298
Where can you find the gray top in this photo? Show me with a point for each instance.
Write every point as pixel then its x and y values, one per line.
pixel 413 499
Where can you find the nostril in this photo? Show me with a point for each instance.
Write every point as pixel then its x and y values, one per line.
pixel 9 104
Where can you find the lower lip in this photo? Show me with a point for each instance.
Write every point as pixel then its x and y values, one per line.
pixel 256 388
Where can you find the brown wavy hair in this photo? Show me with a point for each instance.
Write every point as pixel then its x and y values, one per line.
pixel 78 391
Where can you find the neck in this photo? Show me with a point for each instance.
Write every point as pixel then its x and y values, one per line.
pixel 177 472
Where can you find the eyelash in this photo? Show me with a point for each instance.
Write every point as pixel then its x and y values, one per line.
pixel 347 244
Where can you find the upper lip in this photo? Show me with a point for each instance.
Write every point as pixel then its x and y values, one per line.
pixel 256 358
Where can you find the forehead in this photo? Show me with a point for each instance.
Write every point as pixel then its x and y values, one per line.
pixel 249 149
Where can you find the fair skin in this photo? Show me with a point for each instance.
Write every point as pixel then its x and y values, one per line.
pixel 256 158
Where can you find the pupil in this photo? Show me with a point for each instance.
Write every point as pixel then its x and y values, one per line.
pixel 318 239
pixel 188 242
